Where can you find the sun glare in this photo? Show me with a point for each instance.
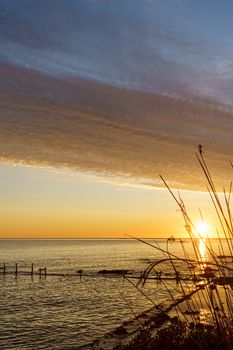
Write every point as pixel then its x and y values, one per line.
pixel 202 229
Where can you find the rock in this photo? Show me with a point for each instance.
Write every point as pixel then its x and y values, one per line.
pixel 114 272
pixel 120 331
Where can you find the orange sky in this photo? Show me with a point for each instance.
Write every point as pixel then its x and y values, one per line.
pixel 45 203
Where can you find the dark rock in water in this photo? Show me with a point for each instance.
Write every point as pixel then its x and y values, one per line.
pixel 225 257
pixel 114 272
pixel 208 275
pixel 222 281
pixel 120 331
pixel 191 312
pixel 159 319
pixel 174 319
pixel 209 272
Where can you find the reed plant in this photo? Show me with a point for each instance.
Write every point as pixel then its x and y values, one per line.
pixel 204 309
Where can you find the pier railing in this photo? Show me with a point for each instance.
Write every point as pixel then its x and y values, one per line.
pixel 15 270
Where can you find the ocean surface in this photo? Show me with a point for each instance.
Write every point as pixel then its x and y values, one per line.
pixel 60 312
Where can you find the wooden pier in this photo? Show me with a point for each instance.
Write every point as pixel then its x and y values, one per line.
pixel 17 270
pixel 41 271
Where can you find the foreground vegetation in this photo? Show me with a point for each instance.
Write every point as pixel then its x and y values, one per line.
pixel 188 330
pixel 181 336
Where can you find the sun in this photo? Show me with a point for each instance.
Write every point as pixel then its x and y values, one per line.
pixel 202 229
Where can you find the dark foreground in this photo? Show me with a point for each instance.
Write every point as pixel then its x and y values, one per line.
pixel 179 336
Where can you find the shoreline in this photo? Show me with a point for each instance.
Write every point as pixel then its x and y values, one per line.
pixel 129 329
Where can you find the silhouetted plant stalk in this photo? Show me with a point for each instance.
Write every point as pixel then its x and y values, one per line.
pixel 212 277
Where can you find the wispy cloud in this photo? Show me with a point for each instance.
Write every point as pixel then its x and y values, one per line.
pixel 108 130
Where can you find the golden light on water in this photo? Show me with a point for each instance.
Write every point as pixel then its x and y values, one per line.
pixel 202 230
pixel 202 248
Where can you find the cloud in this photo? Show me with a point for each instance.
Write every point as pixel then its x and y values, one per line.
pixel 108 130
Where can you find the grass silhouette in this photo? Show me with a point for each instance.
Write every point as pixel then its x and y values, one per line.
pixel 211 280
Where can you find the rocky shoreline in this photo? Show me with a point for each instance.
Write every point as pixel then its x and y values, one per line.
pixel 156 316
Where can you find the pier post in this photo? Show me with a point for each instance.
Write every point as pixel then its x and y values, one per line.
pixel 4 268
pixel 45 271
pixel 32 270
pixel 16 269
pixel 80 272
pixel 40 272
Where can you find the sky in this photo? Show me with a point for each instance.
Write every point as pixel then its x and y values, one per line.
pixel 99 97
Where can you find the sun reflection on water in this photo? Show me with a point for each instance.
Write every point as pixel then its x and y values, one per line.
pixel 202 249
pixel 202 254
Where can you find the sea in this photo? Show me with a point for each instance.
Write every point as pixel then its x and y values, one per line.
pixel 68 312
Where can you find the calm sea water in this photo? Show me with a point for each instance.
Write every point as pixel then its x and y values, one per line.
pixel 64 312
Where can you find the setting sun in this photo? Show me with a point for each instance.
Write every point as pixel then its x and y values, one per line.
pixel 202 229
